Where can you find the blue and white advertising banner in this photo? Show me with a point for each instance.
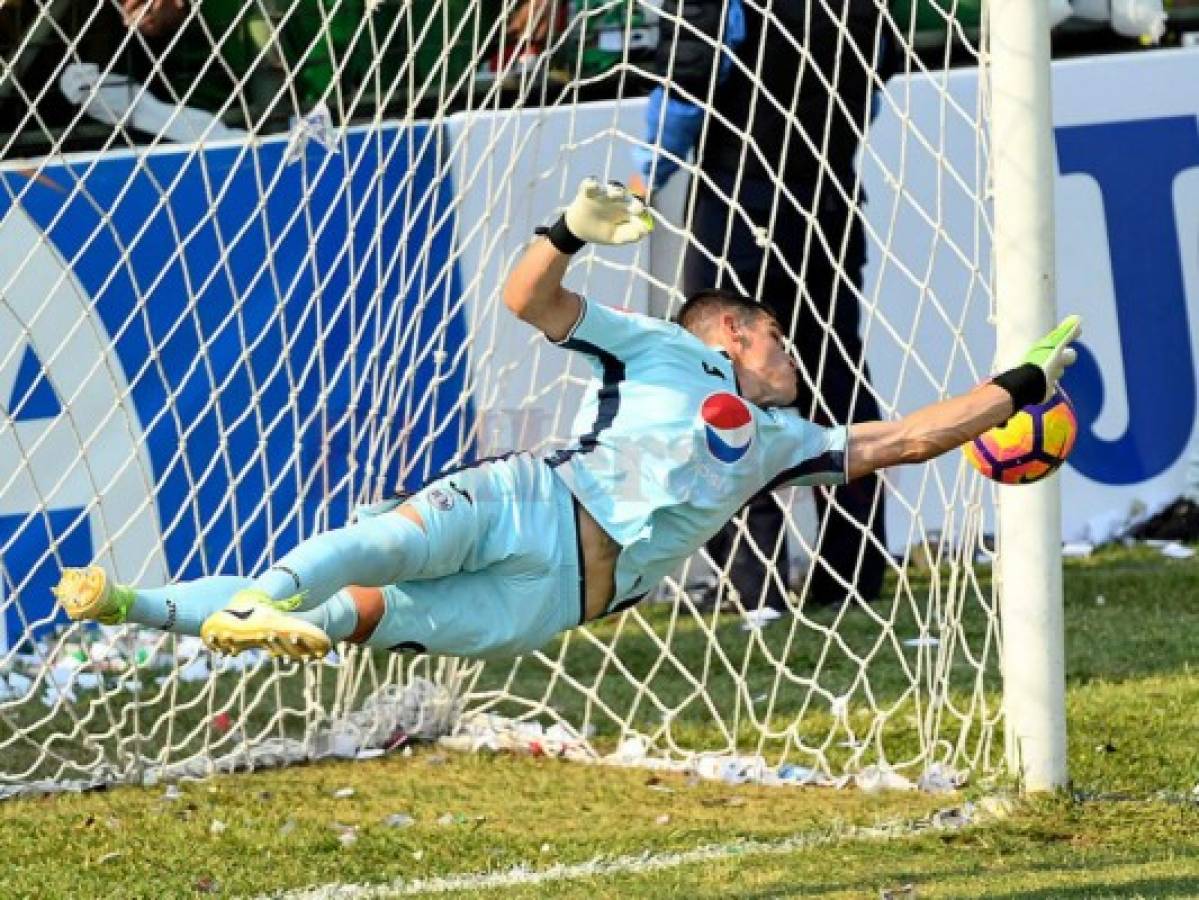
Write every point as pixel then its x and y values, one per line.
pixel 207 354
pixel 1127 198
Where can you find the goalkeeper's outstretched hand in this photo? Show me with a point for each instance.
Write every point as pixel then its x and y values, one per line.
pixel 607 214
pixel 1052 353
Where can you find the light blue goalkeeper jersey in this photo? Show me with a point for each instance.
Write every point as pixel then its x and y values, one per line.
pixel 666 450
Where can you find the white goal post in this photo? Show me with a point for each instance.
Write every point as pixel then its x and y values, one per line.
pixel 252 256
pixel 1030 558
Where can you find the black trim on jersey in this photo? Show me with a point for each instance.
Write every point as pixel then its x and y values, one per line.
pixel 574 502
pixel 828 461
pixel 608 396
pixel 583 304
pixel 624 604
pixel 464 492
pixel 402 494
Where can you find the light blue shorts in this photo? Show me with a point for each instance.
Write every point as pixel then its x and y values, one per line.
pixel 505 565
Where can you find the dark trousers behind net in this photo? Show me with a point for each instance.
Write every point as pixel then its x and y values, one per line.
pixel 819 308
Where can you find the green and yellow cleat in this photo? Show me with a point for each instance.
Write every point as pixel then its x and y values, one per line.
pixel 88 596
pixel 252 619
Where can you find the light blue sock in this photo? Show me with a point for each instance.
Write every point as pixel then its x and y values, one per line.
pixel 372 553
pixel 337 616
pixel 182 608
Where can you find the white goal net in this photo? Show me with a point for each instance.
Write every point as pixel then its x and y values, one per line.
pixel 252 252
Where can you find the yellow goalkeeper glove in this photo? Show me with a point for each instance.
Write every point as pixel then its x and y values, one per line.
pixel 1036 378
pixel 1052 353
pixel 600 214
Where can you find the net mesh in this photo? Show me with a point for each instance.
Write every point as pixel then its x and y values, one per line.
pixel 252 259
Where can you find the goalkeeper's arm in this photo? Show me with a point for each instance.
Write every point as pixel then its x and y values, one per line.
pixel 941 427
pixel 601 214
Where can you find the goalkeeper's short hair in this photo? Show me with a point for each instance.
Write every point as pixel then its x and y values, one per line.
pixel 704 304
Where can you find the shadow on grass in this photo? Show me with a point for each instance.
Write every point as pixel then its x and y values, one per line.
pixel 1142 887
pixel 1081 880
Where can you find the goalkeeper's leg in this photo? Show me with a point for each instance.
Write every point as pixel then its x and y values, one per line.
pixel 235 613
pixel 88 594
pixel 441 530
pixel 509 611
pixel 378 549
pixel 288 609
pixel 479 518
pixel 525 596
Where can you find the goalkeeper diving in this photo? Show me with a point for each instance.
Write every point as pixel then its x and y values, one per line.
pixel 682 424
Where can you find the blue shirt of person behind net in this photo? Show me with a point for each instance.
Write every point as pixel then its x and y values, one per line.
pixel 665 449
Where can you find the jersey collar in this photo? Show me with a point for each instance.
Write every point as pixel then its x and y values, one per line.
pixel 732 368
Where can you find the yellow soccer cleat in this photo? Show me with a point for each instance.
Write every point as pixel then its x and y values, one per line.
pixel 253 619
pixel 87 595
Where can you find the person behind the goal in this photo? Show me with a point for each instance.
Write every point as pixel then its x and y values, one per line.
pixel 682 424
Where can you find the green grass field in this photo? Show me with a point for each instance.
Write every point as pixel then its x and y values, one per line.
pixel 1130 827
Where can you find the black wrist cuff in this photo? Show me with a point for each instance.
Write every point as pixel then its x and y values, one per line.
pixel 1025 383
pixel 562 238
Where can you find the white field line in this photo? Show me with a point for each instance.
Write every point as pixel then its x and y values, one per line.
pixel 600 867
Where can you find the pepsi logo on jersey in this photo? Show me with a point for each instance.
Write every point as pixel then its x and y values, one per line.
pixel 728 426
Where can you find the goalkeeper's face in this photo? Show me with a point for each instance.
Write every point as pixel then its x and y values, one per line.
pixel 765 365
